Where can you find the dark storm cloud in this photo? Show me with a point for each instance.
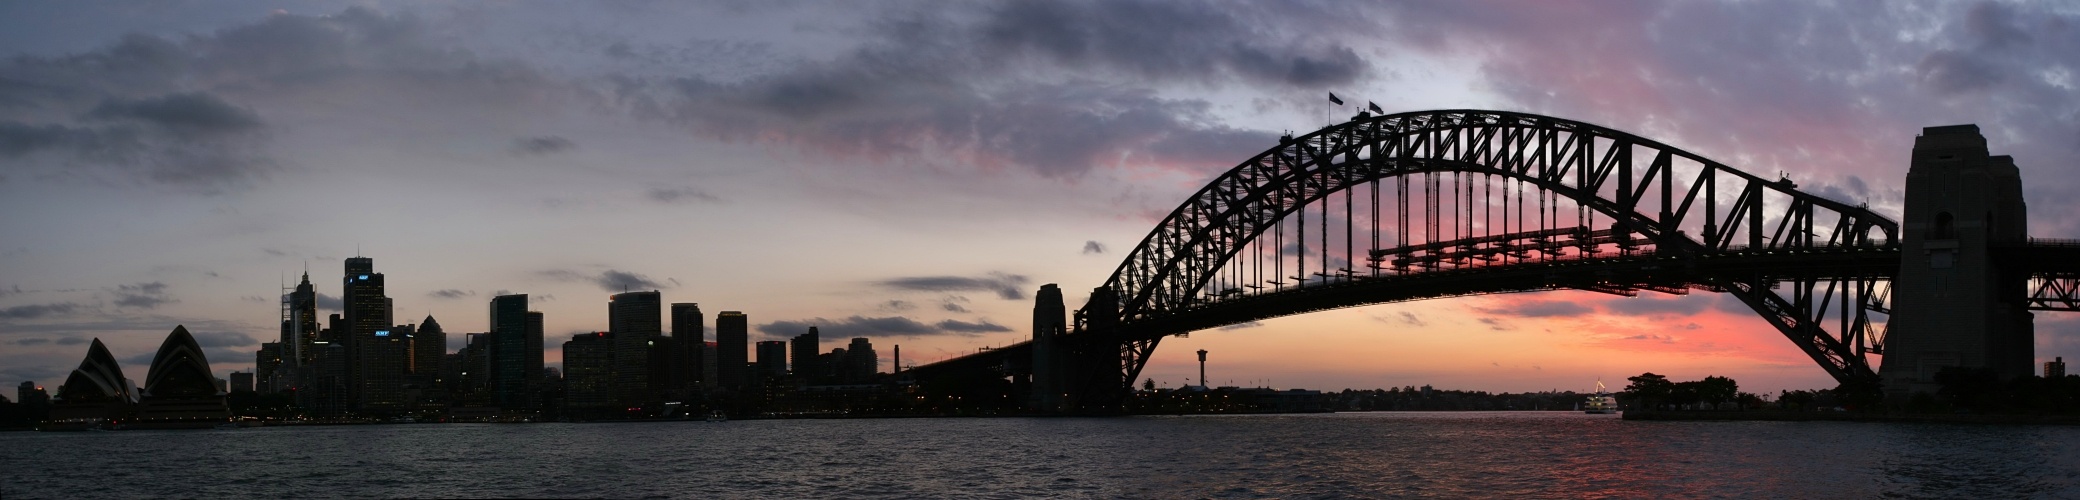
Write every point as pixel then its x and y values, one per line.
pixel 542 145
pixel 33 311
pixel 186 114
pixel 451 293
pixel 611 280
pixel 223 339
pixel 952 304
pixel 1035 85
pixel 957 326
pixel 1006 286
pixel 143 295
pixel 172 111
pixel 1093 248
pixel 855 326
pixel 681 195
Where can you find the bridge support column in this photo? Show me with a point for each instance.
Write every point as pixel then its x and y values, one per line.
pixel 1050 324
pixel 1953 305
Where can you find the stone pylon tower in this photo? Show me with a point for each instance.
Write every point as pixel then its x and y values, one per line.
pixel 1050 323
pixel 1954 304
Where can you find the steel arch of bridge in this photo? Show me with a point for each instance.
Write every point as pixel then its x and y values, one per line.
pixel 1657 207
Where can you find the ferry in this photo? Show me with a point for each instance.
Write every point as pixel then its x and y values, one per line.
pixel 1602 403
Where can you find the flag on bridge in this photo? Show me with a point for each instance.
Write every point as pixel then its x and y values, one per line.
pixel 1374 107
pixel 1332 98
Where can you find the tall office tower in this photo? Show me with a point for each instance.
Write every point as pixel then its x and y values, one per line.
pixel 805 350
pixel 324 392
pixel 429 344
pixel 385 360
pixel 667 370
pixel 367 311
pixel 772 358
pixel 241 381
pixel 633 318
pixel 860 361
pixel 732 337
pixel 689 328
pixel 299 323
pixel 267 367
pixel 1953 304
pixel 711 377
pixel 588 360
pixel 470 383
pixel 531 361
pixel 2055 368
pixel 513 367
pixel 1050 323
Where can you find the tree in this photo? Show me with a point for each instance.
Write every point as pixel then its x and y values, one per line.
pixel 1649 388
pixel 1148 385
pixel 1716 389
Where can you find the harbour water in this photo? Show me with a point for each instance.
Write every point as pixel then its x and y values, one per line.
pixel 1361 455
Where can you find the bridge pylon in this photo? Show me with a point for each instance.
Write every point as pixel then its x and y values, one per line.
pixel 1955 305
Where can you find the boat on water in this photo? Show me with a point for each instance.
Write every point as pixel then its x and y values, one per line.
pixel 1601 403
pixel 718 416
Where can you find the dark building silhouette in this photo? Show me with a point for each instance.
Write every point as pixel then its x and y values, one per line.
pixel 860 361
pixel 367 311
pixel 95 392
pixel 772 358
pixel 666 367
pixel 324 390
pixel 1050 323
pixel 806 351
pixel 179 391
pixel 588 361
pixel 2055 368
pixel 270 372
pixel 385 361
pixel 241 381
pixel 1954 305
pixel 36 403
pixel 711 377
pixel 299 323
pixel 429 345
pixel 515 353
pixel 732 339
pixel 689 333
pixel 633 318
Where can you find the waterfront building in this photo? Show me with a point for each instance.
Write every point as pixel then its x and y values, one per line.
pixel 2055 368
pixel 772 358
pixel 732 337
pixel 179 391
pixel 633 318
pixel 667 371
pixel 711 377
pixel 805 351
pixel 588 360
pixel 385 360
pixel 96 391
pixel 861 362
pixel 269 373
pixel 299 323
pixel 429 344
pixel 515 353
pixel 689 333
pixel 241 381
pixel 367 311
pixel 324 390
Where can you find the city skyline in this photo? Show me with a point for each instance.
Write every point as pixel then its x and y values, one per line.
pixel 912 173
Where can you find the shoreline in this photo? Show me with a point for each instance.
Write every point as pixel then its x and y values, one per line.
pixel 1836 416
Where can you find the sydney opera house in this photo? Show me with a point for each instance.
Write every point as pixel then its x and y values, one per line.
pixel 179 391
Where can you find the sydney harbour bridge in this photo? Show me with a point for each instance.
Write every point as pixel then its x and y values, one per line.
pixel 1436 204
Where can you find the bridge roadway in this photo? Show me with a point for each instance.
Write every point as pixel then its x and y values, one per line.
pixel 2054 265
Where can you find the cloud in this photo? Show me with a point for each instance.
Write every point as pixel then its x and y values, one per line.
pixel 1006 286
pixel 953 305
pixel 681 195
pixel 957 326
pixel 223 339
pixel 187 114
pixel 855 326
pixel 71 340
pixel 1093 248
pixel 34 311
pixel 1403 317
pixel 1241 326
pixel 32 341
pixel 610 280
pixel 1496 324
pixel 1539 309
pixel 451 293
pixel 143 295
pixel 1644 306
pixel 542 145
pixel 897 305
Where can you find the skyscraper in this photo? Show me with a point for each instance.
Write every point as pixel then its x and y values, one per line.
pixel 268 367
pixel 732 338
pixel 689 331
pixel 299 323
pixel 860 361
pixel 429 344
pixel 633 318
pixel 805 350
pixel 367 312
pixel 588 360
pixel 385 359
pixel 772 358
pixel 515 352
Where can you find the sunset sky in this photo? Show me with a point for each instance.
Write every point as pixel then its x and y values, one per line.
pixel 913 171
